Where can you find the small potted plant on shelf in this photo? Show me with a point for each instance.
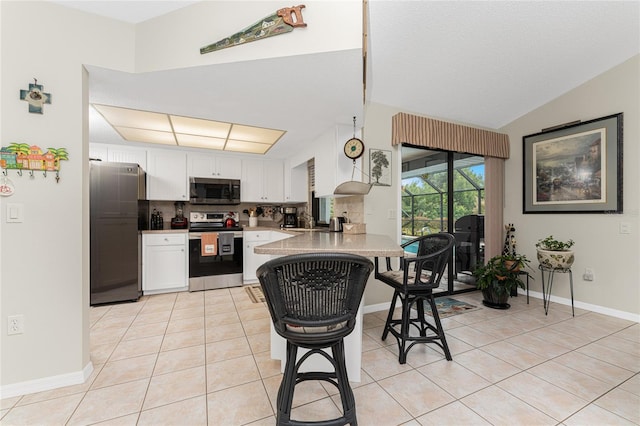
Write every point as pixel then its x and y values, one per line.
pixel 555 254
pixel 497 281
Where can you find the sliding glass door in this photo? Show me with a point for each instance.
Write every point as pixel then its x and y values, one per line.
pixel 443 191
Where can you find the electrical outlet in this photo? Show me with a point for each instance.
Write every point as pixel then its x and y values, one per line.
pixel 625 228
pixel 588 275
pixel 15 324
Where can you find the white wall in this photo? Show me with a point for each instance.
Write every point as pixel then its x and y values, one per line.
pixel 382 204
pixel 44 264
pixel 599 245
pixel 174 40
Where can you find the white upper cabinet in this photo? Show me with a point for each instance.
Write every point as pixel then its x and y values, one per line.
pixel 98 151
pixel 332 167
pixel 212 166
pixel 262 181
pixel 128 155
pixel 167 175
pixel 296 183
pixel 118 154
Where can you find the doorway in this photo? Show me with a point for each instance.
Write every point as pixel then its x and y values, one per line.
pixel 443 191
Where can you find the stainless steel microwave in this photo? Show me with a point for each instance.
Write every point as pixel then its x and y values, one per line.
pixel 214 191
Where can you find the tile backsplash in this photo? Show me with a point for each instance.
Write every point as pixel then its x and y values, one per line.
pixel 168 210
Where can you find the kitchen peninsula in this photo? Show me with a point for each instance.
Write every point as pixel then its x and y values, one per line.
pixel 367 245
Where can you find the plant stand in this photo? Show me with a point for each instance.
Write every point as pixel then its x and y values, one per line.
pixel 546 295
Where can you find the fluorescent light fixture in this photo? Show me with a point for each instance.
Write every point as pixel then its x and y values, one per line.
pixel 125 117
pixel 200 141
pixel 145 135
pixel 197 126
pixel 244 146
pixel 153 127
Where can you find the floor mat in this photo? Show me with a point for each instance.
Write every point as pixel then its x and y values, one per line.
pixel 448 307
pixel 255 293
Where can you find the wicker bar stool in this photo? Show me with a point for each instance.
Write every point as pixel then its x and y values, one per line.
pixel 313 300
pixel 413 285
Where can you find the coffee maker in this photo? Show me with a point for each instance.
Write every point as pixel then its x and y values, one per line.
pixel 290 217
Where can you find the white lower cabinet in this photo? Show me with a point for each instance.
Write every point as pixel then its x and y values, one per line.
pixel 165 263
pixel 252 261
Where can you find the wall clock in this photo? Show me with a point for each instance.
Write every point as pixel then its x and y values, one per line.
pixel 354 148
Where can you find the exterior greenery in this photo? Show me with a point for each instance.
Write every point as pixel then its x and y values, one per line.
pixel 424 200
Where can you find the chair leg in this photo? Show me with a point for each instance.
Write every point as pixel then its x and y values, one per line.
pixel 287 387
pixel 404 330
pixel 419 301
pixel 346 393
pixel 392 308
pixel 440 330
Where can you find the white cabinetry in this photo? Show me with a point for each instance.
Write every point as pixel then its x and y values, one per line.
pixel 128 155
pixel 250 260
pixel 332 167
pixel 165 262
pixel 98 151
pixel 262 181
pixel 118 154
pixel 167 175
pixel 212 166
pixel 296 186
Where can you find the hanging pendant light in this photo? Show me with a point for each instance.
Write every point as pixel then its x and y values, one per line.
pixel 353 149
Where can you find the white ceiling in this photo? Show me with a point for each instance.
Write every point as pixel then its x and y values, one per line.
pixel 483 63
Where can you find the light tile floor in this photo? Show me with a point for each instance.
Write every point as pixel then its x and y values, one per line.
pixel 203 358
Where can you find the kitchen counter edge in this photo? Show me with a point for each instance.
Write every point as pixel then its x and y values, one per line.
pixel 165 231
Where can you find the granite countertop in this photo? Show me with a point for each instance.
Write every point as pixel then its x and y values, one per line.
pixel 368 245
pixel 166 231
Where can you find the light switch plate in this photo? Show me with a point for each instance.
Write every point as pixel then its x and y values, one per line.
pixel 15 213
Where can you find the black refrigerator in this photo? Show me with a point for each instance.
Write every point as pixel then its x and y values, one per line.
pixel 117 214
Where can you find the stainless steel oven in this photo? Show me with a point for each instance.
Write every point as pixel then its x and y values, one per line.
pixel 224 268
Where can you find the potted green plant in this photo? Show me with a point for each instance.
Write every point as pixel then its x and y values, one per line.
pixel 554 253
pixel 497 280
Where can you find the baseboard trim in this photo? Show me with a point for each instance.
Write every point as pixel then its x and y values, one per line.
pixel 46 383
pixel 538 295
pixel 587 306
pixel 375 308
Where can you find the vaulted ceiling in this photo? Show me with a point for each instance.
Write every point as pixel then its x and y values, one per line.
pixel 481 63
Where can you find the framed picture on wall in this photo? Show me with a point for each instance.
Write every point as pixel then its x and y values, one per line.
pixel 575 168
pixel 380 167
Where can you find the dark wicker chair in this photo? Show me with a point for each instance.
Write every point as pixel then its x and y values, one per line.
pixel 413 284
pixel 313 300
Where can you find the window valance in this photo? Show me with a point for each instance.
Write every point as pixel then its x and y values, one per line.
pixel 430 133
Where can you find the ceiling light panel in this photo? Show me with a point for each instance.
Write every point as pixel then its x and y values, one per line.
pixel 158 128
pixel 149 136
pixel 195 141
pixel 255 134
pixel 125 117
pixel 196 126
pixel 244 146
